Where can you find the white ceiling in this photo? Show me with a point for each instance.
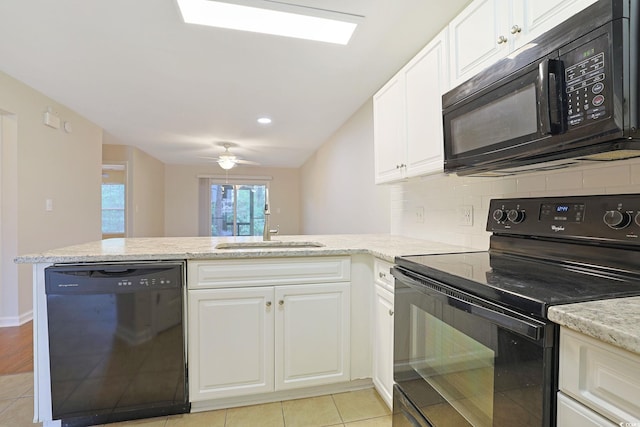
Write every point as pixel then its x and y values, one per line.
pixel 175 90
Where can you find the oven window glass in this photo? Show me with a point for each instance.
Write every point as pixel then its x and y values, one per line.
pixel 460 369
pixel 509 117
pixel 455 365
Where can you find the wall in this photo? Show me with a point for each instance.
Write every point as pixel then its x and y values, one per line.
pixel 145 189
pixel 49 164
pixel 442 195
pixel 338 194
pixel 181 196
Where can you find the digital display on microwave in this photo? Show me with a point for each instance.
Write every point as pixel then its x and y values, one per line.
pixel 554 212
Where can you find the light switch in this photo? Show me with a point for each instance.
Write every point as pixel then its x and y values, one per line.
pixel 48 205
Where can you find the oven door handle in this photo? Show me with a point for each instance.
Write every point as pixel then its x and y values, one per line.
pixel 515 322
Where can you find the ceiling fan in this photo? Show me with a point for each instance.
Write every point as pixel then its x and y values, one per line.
pixel 228 160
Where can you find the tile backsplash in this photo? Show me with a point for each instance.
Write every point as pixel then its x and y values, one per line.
pixel 442 197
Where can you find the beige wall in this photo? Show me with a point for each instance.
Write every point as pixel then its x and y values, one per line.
pixel 145 189
pixel 51 164
pixel 338 194
pixel 181 196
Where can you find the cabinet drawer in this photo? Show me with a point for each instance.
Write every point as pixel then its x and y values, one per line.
pixel 269 271
pixel 601 376
pixel 382 274
pixel 573 414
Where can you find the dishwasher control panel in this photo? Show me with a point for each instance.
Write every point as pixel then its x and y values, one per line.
pixel 113 277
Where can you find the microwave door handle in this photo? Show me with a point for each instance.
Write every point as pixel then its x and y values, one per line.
pixel 550 105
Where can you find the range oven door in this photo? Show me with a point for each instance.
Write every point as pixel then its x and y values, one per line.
pixel 462 361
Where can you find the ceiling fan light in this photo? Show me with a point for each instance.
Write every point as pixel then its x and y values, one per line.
pixel 227 162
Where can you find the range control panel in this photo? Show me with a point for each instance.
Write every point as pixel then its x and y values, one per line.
pixel 609 217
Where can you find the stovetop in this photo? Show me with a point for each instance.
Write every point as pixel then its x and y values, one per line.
pixel 547 251
pixel 529 286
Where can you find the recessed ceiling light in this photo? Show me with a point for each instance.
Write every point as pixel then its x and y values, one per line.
pixel 269 21
pixel 264 120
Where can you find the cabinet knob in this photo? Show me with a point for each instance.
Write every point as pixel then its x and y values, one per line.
pixel 515 29
pixel 281 302
pixel 268 304
pixel 502 40
pixel 390 312
pixel 382 275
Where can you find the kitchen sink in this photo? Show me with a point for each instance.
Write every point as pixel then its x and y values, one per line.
pixel 271 244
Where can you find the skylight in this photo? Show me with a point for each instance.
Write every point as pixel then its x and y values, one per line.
pixel 268 21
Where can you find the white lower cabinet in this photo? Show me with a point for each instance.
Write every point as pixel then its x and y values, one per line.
pixel 311 335
pixel 231 342
pixel 599 383
pixel 383 331
pixel 383 345
pixel 259 339
pixel 573 414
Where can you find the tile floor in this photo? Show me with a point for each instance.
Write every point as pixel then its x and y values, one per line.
pixel 362 408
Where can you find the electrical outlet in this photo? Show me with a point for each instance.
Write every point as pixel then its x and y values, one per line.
pixel 465 215
pixel 420 214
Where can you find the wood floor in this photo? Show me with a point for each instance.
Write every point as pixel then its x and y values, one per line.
pixel 16 349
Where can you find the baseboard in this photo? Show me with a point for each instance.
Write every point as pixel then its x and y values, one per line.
pixel 231 402
pixel 9 321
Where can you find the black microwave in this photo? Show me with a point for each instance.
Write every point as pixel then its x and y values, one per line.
pixel 568 97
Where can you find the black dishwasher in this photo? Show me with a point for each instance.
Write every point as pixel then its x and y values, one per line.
pixel 116 341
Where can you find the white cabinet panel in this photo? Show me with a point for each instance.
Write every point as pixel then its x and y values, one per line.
pixel 426 80
pixel 488 30
pixel 573 414
pixel 383 344
pixel 538 16
pixel 230 342
pixel 600 376
pixel 312 335
pixel 407 117
pixel 389 131
pixel 474 38
pixel 266 271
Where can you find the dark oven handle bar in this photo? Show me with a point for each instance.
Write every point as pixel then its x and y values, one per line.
pixel 508 319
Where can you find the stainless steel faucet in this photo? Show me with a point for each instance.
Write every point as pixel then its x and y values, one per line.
pixel 266 234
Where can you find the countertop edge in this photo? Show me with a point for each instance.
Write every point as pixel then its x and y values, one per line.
pixel 613 321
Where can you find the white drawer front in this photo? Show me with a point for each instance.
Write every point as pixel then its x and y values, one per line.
pixel 269 271
pixel 603 377
pixel 573 414
pixel 382 274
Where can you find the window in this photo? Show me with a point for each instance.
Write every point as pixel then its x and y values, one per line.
pixel 113 201
pixel 232 209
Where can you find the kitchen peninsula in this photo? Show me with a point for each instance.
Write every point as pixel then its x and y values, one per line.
pixel 353 267
pixel 302 268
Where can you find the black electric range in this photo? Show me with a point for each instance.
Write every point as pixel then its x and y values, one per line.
pixel 472 342
pixel 548 251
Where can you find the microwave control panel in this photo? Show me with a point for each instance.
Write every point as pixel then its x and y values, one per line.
pixel 588 87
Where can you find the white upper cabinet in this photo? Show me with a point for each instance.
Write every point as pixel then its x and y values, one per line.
pixel 477 38
pixel 389 131
pixel 408 116
pixel 538 16
pixel 488 30
pixel 426 79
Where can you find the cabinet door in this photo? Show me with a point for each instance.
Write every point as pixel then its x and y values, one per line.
pixel 474 38
pixel 312 335
pixel 534 17
pixel 389 131
pixel 230 342
pixel 426 78
pixel 383 344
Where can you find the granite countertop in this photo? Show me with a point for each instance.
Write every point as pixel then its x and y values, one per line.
pixel 383 246
pixel 614 321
